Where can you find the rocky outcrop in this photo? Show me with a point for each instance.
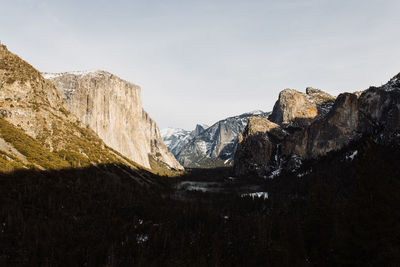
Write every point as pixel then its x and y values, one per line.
pixel 294 108
pixel 257 145
pixel 262 148
pixel 374 112
pixel 216 145
pixel 112 107
pixel 379 109
pixel 36 129
pixel 158 150
pixel 328 134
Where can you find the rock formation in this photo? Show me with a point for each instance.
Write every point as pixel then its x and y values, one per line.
pixel 379 110
pixel 322 126
pixel 257 145
pixel 300 109
pixel 36 129
pixel 216 145
pixel 112 107
pixel 324 135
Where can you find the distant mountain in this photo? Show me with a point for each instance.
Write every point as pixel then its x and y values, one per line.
pixel 175 139
pixel 112 107
pixel 208 147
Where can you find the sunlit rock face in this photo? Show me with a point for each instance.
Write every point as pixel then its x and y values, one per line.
pixel 315 124
pixel 112 107
pixel 299 109
pixel 265 141
pixel 328 134
pixel 37 130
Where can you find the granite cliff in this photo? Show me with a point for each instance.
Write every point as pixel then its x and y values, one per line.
pixel 295 108
pixel 36 129
pixel 257 145
pixel 308 126
pixel 112 107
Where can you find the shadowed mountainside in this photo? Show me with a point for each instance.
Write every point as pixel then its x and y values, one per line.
pixel 340 212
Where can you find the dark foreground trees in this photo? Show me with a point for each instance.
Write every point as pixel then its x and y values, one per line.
pixel 342 213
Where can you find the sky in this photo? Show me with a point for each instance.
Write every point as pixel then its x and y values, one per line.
pixel 202 61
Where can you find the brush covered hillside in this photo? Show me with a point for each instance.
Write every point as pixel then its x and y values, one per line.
pixel 37 131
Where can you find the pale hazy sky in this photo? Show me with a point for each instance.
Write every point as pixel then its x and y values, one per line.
pixel 201 61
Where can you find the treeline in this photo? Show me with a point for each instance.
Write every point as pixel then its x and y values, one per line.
pixel 343 212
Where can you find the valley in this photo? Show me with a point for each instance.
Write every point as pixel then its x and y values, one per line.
pixel 88 179
pixel 95 216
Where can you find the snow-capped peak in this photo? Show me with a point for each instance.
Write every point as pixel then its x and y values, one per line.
pixel 168 132
pixel 175 138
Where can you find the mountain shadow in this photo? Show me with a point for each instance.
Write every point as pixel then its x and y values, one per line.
pixel 339 210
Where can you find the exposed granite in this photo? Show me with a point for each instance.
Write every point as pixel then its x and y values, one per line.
pixel 324 127
pixel 112 107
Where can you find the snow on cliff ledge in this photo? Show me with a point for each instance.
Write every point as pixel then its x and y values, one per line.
pixel 50 75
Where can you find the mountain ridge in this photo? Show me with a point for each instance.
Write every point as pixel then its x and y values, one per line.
pixel 214 146
pixel 375 112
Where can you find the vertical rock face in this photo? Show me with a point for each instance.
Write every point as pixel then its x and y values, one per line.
pixel 158 150
pixel 380 109
pixel 112 107
pixel 374 112
pixel 328 134
pixel 257 145
pixel 301 126
pixel 300 109
pixel 36 128
pixel 199 129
